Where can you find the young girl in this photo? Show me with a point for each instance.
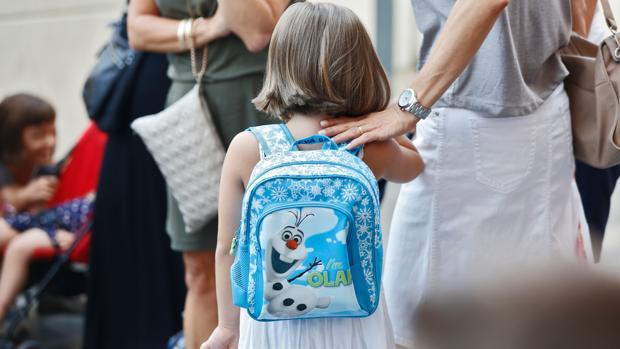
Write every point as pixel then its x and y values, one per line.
pixel 27 183
pixel 27 142
pixel 321 65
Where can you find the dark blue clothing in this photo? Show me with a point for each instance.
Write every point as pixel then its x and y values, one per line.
pixel 596 187
pixel 69 216
pixel 136 286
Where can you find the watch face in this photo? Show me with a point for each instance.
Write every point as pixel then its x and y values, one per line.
pixel 405 98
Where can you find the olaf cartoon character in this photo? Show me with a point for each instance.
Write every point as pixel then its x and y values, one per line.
pixel 284 253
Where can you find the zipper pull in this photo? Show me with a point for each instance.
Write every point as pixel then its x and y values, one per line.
pixel 233 246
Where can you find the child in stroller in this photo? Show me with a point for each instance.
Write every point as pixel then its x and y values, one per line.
pixel 27 183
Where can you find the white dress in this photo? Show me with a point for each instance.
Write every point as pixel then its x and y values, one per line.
pixel 494 191
pixel 373 332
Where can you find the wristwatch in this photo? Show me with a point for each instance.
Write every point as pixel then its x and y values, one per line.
pixel 408 101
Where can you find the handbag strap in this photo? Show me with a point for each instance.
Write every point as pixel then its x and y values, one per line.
pixel 609 16
pixel 198 74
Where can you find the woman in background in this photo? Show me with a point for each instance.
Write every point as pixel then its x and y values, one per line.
pixel 236 33
pixel 498 182
pixel 136 287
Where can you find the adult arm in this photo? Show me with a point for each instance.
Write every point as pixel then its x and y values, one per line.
pixel 253 20
pixel 149 31
pixel 466 28
pixel 583 13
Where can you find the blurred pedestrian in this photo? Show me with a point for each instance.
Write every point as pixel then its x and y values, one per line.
pixel 135 286
pixel 498 181
pixel 236 33
pixel 542 309
pixel 596 185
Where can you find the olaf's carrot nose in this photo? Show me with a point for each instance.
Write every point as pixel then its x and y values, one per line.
pixel 292 244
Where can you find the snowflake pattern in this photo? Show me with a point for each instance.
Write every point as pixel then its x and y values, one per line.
pixel 310 176
pixel 257 205
pixel 276 138
pixel 278 193
pixel 363 228
pixel 329 191
pixel 349 193
pixel 315 189
pixel 364 215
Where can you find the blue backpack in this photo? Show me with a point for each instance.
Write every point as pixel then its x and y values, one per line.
pixel 309 243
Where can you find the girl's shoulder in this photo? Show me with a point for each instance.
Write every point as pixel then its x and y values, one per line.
pixel 243 153
pixel 245 146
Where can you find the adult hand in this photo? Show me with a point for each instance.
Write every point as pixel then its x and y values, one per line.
pixel 40 189
pixel 210 29
pixel 389 123
pixel 222 338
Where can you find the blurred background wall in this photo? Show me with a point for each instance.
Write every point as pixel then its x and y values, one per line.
pixel 48 47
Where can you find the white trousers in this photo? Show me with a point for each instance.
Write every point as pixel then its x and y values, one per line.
pixel 493 189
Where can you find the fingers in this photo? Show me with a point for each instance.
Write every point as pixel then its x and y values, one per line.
pixel 356 132
pixel 45 183
pixel 46 195
pixel 335 126
pixel 48 186
pixel 366 138
pixel 337 130
pixel 339 120
pixel 51 181
pixel 48 179
pixel 346 135
pixel 48 189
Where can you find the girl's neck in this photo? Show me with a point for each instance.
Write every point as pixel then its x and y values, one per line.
pixel 305 125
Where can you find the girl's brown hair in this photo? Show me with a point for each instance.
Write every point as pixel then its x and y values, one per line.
pixel 321 60
pixel 16 113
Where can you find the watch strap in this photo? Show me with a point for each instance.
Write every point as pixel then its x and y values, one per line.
pixel 419 110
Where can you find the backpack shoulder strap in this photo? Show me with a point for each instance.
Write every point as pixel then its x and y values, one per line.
pixel 272 139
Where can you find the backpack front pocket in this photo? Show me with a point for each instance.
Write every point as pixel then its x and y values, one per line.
pixel 303 267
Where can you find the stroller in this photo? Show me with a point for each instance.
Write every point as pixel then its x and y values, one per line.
pixel 78 176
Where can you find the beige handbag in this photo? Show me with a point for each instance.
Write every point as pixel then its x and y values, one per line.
pixel 593 87
pixel 186 146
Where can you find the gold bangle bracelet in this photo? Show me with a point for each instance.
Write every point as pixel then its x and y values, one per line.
pixel 181 34
pixel 189 33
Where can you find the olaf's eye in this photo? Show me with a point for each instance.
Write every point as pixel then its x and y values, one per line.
pixel 287 235
pixel 297 239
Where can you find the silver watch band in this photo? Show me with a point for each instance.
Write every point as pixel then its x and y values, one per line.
pixel 418 110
